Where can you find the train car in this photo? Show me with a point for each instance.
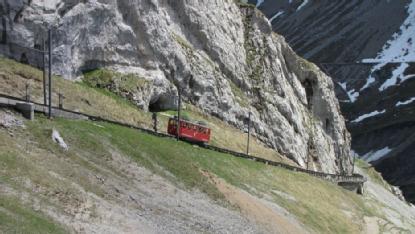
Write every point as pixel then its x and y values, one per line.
pixel 190 131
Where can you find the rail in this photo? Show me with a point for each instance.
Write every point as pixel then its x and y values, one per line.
pixel 61 112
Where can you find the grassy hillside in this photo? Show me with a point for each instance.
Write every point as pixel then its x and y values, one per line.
pixel 321 206
pixel 50 190
pixel 79 96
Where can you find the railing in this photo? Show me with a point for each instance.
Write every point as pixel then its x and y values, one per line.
pixel 61 112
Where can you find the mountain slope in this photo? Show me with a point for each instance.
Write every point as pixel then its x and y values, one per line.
pixel 151 184
pixel 376 94
pixel 223 57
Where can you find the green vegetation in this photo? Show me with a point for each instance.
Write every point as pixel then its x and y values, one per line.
pixel 121 84
pixel 17 218
pixel 244 5
pixel 30 154
pixel 184 43
pixel 371 171
pixel 81 96
pixel 241 98
pixel 316 203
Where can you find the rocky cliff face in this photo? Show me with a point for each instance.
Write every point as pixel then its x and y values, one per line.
pixel 224 57
pixel 377 94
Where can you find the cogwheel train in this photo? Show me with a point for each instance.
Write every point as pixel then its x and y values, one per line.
pixel 190 131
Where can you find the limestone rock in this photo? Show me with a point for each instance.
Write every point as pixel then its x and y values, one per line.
pixel 224 57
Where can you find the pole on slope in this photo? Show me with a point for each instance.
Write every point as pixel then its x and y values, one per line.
pixel 155 121
pixel 179 106
pixel 354 159
pixel 249 132
pixel 27 97
pixel 44 71
pixel 50 72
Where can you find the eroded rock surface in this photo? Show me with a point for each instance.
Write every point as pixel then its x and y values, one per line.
pixel 224 57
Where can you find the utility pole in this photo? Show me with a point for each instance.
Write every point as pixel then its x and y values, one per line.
pixel 27 92
pixel 61 97
pixel 44 71
pixel 155 122
pixel 354 159
pixel 50 72
pixel 179 106
pixel 249 133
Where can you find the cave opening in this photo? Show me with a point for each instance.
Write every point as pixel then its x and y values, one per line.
pixel 163 103
pixel 328 125
pixel 156 106
pixel 24 59
pixel 308 86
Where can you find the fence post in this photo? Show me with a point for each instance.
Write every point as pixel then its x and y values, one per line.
pixel 27 92
pixel 50 72
pixel 44 71
pixel 178 111
pixel 249 133
pixel 154 117
pixel 61 97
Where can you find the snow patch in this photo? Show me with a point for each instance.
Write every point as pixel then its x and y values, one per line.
pixel 397 73
pixel 276 16
pixel 401 48
pixel 343 85
pixel 365 116
pixel 305 2
pixel 353 95
pixel 373 156
pixel 371 79
pixel 259 2
pixel 409 101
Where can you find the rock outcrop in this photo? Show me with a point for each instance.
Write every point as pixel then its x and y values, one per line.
pixel 376 95
pixel 223 56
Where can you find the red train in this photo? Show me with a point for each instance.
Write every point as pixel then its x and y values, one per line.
pixel 190 131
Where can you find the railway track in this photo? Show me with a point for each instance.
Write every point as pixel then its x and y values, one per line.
pixel 356 179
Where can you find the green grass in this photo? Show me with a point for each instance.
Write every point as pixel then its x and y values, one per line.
pixel 241 98
pixel 374 175
pixel 319 204
pixel 184 43
pixel 86 97
pixel 17 218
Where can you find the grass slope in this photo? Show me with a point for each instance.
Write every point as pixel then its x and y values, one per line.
pixel 320 205
pixel 80 96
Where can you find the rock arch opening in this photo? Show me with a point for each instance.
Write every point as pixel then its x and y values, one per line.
pixel 308 86
pixel 163 103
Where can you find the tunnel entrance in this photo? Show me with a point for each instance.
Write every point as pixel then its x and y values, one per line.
pixel 308 86
pixel 163 103
pixel 156 106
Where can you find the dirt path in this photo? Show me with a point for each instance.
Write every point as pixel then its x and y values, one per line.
pixel 256 210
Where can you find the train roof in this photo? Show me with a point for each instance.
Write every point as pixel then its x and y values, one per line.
pixel 204 125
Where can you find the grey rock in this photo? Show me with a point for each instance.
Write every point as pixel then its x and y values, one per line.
pixel 224 57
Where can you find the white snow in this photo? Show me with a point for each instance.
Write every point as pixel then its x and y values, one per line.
pixel 343 85
pixel 353 95
pixel 409 101
pixel 401 48
pixel 397 73
pixel 365 116
pixel 302 5
pixel 259 2
pixel 371 79
pixel 373 156
pixel 276 16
